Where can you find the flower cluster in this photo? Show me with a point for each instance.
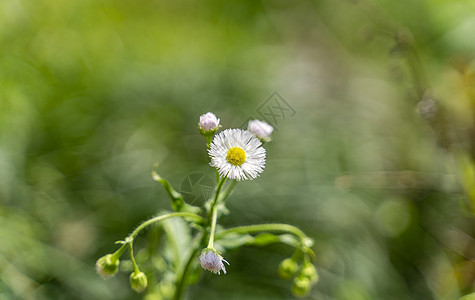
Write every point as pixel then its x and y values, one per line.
pixel 237 155
pixel 304 275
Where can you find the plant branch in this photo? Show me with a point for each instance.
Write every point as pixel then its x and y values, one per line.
pixel 161 218
pixel 266 227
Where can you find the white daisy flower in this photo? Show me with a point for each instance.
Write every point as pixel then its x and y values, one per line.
pixel 208 122
pixel 237 154
pixel 212 261
pixel 260 129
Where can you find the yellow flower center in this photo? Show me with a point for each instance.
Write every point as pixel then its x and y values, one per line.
pixel 236 156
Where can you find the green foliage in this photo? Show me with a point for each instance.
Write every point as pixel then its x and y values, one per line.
pixel 468 297
pixel 94 93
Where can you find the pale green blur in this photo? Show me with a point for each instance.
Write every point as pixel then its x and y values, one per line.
pixel 372 155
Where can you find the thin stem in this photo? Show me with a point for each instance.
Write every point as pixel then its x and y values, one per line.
pixel 264 227
pixel 209 139
pixel 217 175
pixel 228 190
pixel 214 211
pixel 119 252
pixel 161 218
pixel 132 258
pixel 218 191
pixel 213 226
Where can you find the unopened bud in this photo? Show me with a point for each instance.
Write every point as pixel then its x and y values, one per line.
pixel 107 266
pixel 301 286
pixel 138 281
pixel 310 272
pixel 287 268
pixel 208 123
pixel 261 130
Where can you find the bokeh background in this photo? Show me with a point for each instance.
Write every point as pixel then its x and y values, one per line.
pixel 374 160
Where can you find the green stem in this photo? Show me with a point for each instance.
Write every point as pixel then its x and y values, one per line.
pixel 214 211
pixel 119 252
pixel 216 194
pixel 161 218
pixel 209 139
pixel 132 258
pixel 265 227
pixel 213 226
pixel 228 190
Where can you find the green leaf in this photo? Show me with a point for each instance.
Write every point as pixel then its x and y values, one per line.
pixel 468 297
pixel 178 203
pixel 264 239
pixel 234 241
pixel 178 239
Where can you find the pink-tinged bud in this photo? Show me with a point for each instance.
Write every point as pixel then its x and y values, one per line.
pixel 208 122
pixel 261 130
pixel 212 261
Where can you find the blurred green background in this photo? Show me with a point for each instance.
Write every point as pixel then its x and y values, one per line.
pixel 376 164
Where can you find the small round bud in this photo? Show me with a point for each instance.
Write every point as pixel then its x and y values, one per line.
pixel 301 286
pixel 208 122
pixel 107 266
pixel 260 129
pixel 138 281
pixel 310 272
pixel 287 268
pixel 307 242
pixel 212 261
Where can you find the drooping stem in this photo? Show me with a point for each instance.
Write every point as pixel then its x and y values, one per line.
pixel 119 252
pixel 161 218
pixel 132 258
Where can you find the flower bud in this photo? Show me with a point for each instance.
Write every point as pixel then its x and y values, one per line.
pixel 287 268
pixel 310 272
pixel 212 261
pixel 261 130
pixel 138 281
pixel 301 286
pixel 107 266
pixel 209 123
